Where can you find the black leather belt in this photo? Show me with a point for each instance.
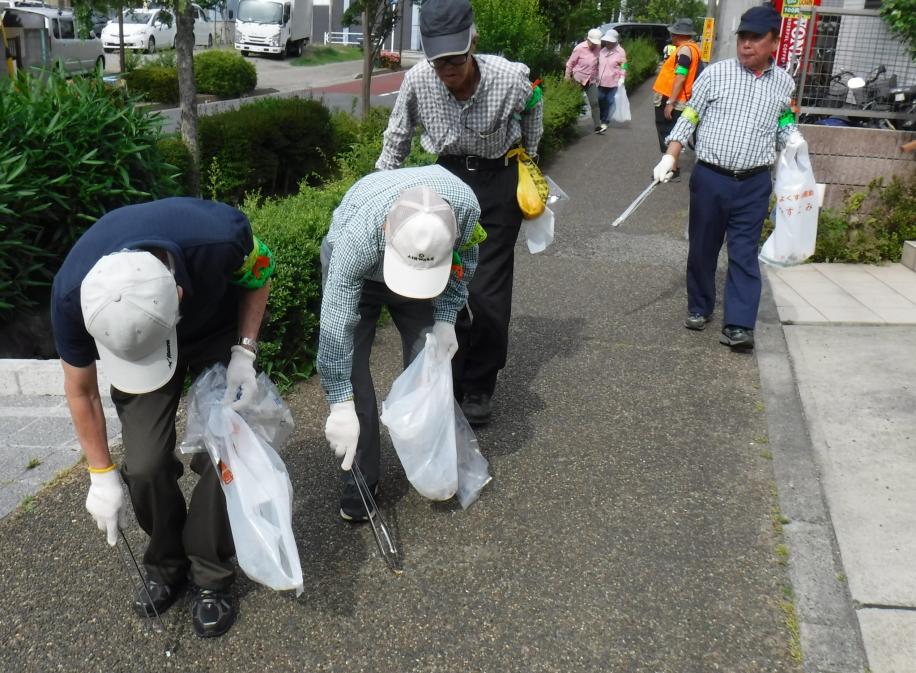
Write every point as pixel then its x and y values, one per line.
pixel 734 175
pixel 472 163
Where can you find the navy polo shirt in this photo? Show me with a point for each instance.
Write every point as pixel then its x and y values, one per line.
pixel 209 242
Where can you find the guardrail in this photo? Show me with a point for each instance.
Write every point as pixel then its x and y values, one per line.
pixel 343 37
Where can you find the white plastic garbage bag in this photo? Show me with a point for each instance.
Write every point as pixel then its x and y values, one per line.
pixel 539 231
pixel 259 495
pixel 795 215
pixel 473 468
pixel 621 111
pixel 419 415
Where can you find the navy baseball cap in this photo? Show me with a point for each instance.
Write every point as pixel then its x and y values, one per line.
pixel 760 20
pixel 445 27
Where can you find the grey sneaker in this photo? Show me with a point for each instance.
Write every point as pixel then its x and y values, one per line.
pixel 738 338
pixel 696 321
pixel 476 408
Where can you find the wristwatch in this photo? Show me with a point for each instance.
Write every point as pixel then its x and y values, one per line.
pixel 248 343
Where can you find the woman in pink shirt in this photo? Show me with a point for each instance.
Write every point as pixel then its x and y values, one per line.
pixel 612 64
pixel 582 66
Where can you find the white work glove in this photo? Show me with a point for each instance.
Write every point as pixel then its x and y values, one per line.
pixel 664 169
pixel 105 502
pixel 241 382
pixel 446 341
pixel 342 431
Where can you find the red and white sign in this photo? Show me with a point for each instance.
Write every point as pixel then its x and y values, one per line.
pixel 796 32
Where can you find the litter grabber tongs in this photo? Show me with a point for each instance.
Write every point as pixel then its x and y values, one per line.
pixel 636 203
pixel 386 546
pixel 171 645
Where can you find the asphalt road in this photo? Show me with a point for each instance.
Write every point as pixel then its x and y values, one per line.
pixel 628 526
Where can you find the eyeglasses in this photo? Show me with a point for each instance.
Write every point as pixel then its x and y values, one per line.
pixel 460 59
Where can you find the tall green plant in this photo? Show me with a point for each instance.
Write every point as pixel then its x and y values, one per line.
pixel 900 17
pixel 514 29
pixel 70 150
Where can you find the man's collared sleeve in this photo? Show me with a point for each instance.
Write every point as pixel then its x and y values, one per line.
pixel 532 124
pixel 692 114
pixel 455 296
pixel 401 125
pixel 350 262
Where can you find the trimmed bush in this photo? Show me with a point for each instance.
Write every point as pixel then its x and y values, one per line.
pixel 267 146
pixel 642 61
pixel 70 151
pixel 224 73
pixel 155 84
pixel 562 104
pixel 176 154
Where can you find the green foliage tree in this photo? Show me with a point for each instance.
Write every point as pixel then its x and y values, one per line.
pixel 900 16
pixel 568 21
pixel 515 30
pixel 666 11
pixel 378 18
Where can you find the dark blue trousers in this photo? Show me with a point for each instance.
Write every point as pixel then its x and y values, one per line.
pixel 720 207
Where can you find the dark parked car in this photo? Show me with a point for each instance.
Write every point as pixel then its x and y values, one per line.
pixel 657 33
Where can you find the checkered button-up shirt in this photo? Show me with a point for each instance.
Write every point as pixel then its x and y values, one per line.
pixel 487 125
pixel 736 115
pixel 356 242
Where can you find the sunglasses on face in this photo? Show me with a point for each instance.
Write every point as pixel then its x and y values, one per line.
pixel 459 59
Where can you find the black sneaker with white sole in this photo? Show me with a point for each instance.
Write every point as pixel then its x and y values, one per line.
pixel 696 321
pixel 739 338
pixel 352 508
pixel 157 596
pixel 213 612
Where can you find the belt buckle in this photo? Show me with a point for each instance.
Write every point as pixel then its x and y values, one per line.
pixel 470 163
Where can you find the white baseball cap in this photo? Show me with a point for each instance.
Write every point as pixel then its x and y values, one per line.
pixel 594 36
pixel 420 237
pixel 130 307
pixel 611 36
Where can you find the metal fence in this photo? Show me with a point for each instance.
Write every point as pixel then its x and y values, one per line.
pixel 343 37
pixel 850 65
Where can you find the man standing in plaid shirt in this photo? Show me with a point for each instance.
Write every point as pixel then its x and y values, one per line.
pixel 472 110
pixel 741 110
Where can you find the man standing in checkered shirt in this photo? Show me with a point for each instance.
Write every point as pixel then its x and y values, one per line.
pixel 741 110
pixel 472 110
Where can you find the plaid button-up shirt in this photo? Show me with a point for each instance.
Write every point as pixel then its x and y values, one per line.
pixel 487 125
pixel 736 115
pixel 356 241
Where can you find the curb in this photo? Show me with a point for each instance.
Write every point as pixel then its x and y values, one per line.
pixel 831 641
pixel 38 377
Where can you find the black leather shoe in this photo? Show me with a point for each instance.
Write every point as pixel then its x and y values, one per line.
pixel 212 612
pixel 352 508
pixel 738 338
pixel 696 321
pixel 161 597
pixel 476 408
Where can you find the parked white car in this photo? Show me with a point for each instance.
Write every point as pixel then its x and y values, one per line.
pixel 149 29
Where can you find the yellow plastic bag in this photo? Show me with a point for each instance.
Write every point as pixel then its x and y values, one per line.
pixel 532 190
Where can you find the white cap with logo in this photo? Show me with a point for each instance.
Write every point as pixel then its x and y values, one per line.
pixel 130 306
pixel 420 234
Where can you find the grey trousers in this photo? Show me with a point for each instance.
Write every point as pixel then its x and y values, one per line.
pixel 184 540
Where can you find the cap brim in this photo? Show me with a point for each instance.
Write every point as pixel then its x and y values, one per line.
pixel 409 281
pixel 144 375
pixel 439 46
pixel 752 28
pixel 598 41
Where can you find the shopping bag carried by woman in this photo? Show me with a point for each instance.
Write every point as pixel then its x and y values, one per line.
pixel 795 215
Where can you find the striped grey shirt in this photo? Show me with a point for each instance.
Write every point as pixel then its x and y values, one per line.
pixel 487 125
pixel 738 115
pixel 356 243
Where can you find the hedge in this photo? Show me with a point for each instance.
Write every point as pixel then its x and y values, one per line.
pixel 224 73
pixel 153 83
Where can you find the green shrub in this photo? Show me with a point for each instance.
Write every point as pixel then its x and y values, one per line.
pixel 224 73
pixel 293 228
pixel 267 146
pixel 562 104
pixel 642 61
pixel 70 151
pixel 176 154
pixel 153 83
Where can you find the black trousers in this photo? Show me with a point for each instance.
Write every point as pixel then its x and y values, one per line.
pixel 483 332
pixel 193 539
pixel 663 126
pixel 413 318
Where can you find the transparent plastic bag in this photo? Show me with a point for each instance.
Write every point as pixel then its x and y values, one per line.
pixel 795 215
pixel 539 232
pixel 621 111
pixel 259 495
pixel 419 416
pixel 473 468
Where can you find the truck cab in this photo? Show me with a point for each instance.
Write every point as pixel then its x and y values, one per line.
pixel 276 27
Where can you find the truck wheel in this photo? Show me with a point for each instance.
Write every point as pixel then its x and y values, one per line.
pixel 294 48
pixel 243 52
pixel 151 46
pixel 210 41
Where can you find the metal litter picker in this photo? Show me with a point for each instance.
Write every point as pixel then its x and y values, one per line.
pixel 636 203
pixel 383 539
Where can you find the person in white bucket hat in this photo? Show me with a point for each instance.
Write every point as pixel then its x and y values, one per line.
pixel 406 239
pixel 158 290
pixel 582 67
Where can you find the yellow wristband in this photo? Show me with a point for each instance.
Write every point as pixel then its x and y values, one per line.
pixel 102 470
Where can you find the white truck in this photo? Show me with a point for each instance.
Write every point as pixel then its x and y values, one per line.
pixel 277 27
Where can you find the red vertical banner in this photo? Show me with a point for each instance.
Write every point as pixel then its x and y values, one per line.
pixel 796 32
